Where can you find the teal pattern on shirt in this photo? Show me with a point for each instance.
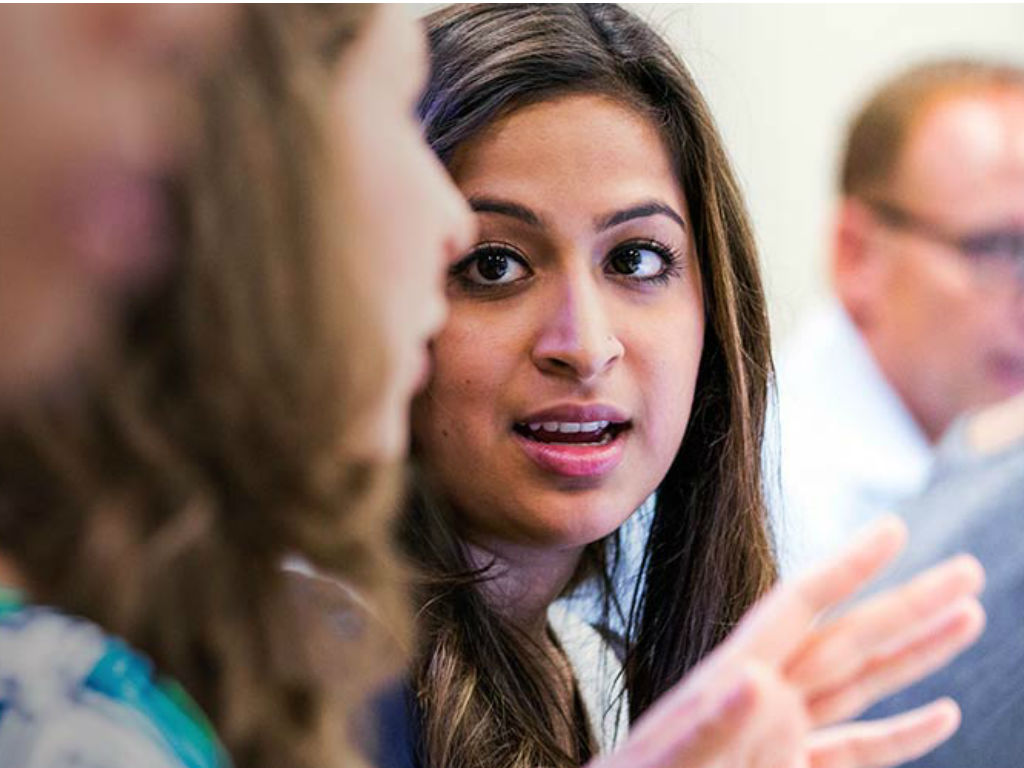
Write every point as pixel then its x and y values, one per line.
pixel 71 696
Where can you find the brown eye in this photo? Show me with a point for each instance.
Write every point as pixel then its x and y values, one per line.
pixel 626 261
pixel 640 261
pixel 490 265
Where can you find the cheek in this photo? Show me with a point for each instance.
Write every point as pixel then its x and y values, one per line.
pixel 381 228
pixel 477 361
pixel 955 321
pixel 670 390
pixel 667 363
pixel 464 381
pixel 931 285
pixel 476 354
pixel 372 166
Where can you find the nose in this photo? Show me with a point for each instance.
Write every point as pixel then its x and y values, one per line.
pixel 170 38
pixel 457 229
pixel 462 226
pixel 578 339
pixel 458 224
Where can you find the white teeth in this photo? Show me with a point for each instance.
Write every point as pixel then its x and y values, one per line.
pixel 568 427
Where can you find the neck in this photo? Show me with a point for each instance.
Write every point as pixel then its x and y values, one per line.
pixel 932 427
pixel 524 581
pixel 931 420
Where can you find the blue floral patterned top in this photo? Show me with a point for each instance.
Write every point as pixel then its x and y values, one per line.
pixel 72 697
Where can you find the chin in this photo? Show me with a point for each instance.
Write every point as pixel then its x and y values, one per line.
pixel 577 521
pixel 395 444
pixel 381 437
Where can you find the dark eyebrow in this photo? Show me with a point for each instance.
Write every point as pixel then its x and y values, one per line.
pixel 506 208
pixel 650 208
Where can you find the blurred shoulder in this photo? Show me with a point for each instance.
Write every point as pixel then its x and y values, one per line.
pixel 53 715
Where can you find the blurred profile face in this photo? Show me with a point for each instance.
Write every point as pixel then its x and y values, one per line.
pixel 948 326
pixel 96 105
pixel 401 218
pixel 563 379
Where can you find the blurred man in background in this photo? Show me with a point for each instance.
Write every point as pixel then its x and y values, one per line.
pixel 928 322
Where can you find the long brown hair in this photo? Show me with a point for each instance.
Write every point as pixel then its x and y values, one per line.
pixel 161 496
pixel 709 555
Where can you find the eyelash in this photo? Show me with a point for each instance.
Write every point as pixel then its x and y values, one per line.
pixel 671 258
pixel 457 272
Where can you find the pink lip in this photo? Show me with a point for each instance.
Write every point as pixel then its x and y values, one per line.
pixel 574 412
pixel 576 461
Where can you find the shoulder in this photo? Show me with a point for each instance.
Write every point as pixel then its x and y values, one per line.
pixel 974 506
pixel 50 714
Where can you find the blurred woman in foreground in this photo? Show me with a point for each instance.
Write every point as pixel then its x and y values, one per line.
pixel 253 408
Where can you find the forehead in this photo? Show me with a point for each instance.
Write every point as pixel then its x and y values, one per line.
pixel 967 147
pixel 586 148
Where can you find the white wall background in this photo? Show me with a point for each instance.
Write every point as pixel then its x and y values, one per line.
pixel 782 81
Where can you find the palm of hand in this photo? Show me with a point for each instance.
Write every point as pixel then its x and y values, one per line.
pixel 779 691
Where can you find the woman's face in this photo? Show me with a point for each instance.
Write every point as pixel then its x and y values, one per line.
pixel 564 377
pixel 401 219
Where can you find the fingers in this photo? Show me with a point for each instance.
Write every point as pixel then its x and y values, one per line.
pixel 837 651
pixel 899 666
pixel 691 728
pixel 887 742
pixel 778 624
pixel 876 546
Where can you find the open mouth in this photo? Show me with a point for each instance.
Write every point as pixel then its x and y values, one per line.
pixel 595 433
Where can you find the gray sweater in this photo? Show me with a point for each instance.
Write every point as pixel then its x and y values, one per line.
pixel 975 504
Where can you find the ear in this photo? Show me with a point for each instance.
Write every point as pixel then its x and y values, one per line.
pixel 858 264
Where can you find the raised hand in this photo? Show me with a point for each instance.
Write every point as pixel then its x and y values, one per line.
pixel 777 692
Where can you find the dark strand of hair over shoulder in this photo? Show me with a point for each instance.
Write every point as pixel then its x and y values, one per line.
pixel 709 555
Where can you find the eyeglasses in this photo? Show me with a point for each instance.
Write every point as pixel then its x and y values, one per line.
pixel 995 255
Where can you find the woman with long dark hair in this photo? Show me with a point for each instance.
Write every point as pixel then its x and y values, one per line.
pixel 608 340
